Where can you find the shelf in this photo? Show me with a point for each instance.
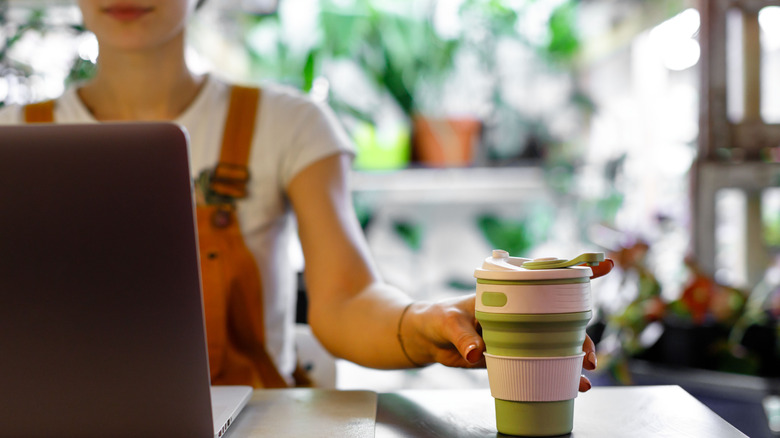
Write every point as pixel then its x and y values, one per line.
pixel 452 185
pixel 747 176
pixel 751 178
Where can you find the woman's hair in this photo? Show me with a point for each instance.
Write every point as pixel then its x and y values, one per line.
pixel 199 4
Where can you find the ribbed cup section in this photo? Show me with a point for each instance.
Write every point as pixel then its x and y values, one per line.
pixel 534 379
pixel 551 335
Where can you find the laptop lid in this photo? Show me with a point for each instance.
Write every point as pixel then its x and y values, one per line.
pixel 101 320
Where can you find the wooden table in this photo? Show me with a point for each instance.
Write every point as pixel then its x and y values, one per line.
pixel 637 412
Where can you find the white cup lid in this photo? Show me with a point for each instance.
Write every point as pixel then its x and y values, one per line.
pixel 501 266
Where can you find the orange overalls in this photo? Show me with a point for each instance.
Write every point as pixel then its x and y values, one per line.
pixel 232 291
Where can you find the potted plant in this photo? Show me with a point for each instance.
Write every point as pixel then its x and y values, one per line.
pixel 402 56
pixel 448 82
pixel 396 75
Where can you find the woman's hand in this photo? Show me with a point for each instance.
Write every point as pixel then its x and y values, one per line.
pixel 588 362
pixel 447 332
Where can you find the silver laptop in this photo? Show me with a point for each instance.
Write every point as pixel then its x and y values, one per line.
pixel 101 315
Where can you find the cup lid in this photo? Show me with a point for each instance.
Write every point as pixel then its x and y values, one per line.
pixel 501 266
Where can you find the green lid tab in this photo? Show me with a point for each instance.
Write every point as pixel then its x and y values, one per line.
pixel 589 258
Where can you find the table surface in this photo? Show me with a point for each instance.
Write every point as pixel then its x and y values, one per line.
pixel 637 411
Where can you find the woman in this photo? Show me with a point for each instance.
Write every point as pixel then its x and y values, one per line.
pixel 298 167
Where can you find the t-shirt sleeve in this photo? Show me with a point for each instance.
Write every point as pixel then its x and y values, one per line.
pixel 315 133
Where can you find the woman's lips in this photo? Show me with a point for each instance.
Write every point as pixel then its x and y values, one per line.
pixel 127 12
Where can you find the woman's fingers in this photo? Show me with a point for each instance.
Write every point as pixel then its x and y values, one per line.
pixel 589 362
pixel 602 268
pixel 585 384
pixel 461 330
pixel 452 333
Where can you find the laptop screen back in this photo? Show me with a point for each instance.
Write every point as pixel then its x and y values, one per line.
pixel 101 321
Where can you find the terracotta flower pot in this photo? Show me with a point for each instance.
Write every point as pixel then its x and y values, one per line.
pixel 449 142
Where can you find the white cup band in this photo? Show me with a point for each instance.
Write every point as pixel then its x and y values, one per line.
pixel 534 378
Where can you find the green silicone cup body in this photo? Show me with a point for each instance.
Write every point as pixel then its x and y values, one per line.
pixel 541 335
pixel 534 335
pixel 534 418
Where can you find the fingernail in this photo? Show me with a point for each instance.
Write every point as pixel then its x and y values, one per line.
pixel 472 354
pixel 587 384
pixel 592 359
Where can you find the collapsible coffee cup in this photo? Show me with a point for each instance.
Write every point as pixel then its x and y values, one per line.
pixel 533 315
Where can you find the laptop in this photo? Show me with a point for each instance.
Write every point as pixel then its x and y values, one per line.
pixel 101 313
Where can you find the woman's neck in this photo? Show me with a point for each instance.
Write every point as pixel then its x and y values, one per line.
pixel 141 85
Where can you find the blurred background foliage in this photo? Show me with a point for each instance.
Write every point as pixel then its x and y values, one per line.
pixel 27 75
pixel 577 89
pixel 382 63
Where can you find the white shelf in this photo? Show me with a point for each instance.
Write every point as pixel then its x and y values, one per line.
pixel 751 178
pixel 452 185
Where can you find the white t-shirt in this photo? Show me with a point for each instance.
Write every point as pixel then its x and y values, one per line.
pixel 291 132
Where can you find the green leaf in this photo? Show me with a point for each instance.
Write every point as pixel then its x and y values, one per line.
pixel 309 71
pixel 510 235
pixel 564 41
pixel 410 233
pixel 81 70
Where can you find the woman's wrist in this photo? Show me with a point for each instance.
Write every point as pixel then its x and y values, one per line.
pixel 409 336
pixel 401 338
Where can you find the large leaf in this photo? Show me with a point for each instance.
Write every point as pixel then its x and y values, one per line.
pixel 564 41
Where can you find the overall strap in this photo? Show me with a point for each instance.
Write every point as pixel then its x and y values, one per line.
pixel 41 112
pixel 230 178
pixel 231 174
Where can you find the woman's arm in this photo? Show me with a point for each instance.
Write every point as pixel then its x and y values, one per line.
pixel 351 311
